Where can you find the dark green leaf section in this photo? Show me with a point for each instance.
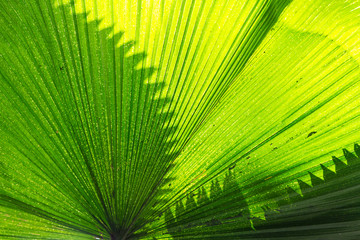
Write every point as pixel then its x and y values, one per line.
pixel 326 206
pixel 198 215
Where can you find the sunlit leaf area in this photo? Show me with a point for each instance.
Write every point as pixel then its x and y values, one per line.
pixel 180 119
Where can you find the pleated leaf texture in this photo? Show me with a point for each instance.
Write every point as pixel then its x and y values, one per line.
pixel 179 119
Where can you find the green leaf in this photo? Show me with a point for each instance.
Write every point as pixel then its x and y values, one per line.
pixel 189 119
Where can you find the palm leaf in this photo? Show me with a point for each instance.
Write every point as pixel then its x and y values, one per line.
pixel 179 119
